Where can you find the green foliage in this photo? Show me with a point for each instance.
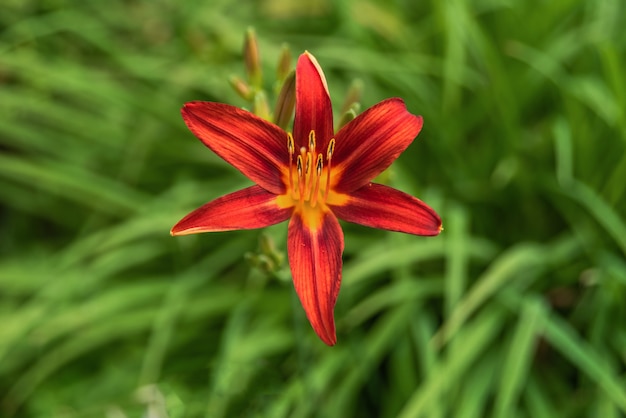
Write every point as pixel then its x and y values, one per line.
pixel 518 309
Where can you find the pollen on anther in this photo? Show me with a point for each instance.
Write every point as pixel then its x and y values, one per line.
pixel 299 165
pixel 331 149
pixel 329 156
pixel 312 141
pixel 301 179
pixel 319 166
pixel 290 146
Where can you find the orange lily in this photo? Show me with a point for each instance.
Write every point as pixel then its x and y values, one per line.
pixel 311 177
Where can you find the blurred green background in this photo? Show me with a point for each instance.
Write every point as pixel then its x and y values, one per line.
pixel 518 309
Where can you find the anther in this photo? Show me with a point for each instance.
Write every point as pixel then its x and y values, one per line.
pixel 290 148
pixel 329 156
pixel 319 166
pixel 331 149
pixel 300 178
pixel 312 141
pixel 299 165
pixel 307 176
pixel 307 166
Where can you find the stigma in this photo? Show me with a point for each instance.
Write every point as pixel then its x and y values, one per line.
pixel 307 183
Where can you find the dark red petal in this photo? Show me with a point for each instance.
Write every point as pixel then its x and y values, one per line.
pixel 383 207
pixel 313 107
pixel 254 146
pixel 315 248
pixel 371 142
pixel 249 208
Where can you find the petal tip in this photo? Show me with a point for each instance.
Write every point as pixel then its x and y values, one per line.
pixel 437 225
pixel 418 123
pixel 302 64
pixel 438 230
pixel 307 54
pixel 187 106
pixel 328 336
pixel 177 231
pixel 330 341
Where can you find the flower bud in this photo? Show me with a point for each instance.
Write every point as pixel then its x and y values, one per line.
pixel 241 87
pixel 348 115
pixel 284 63
pixel 268 250
pixel 261 107
pixel 252 59
pixel 286 102
pixel 353 96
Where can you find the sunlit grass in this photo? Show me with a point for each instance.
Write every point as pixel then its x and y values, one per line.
pixel 518 309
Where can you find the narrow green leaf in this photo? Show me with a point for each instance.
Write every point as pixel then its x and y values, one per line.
pixel 583 355
pixel 514 372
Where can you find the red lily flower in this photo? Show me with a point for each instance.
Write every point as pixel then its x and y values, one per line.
pixel 312 178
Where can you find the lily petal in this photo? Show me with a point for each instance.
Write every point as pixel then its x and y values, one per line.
pixel 254 146
pixel 371 142
pixel 249 208
pixel 383 207
pixel 315 248
pixel 313 108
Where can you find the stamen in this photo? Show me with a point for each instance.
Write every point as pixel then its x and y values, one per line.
pixel 329 156
pixel 312 141
pixel 307 176
pixel 331 149
pixel 290 148
pixel 308 187
pixel 307 166
pixel 300 179
pixel 319 166
pixel 299 165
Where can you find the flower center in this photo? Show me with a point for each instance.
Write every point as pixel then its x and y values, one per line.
pixel 305 178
